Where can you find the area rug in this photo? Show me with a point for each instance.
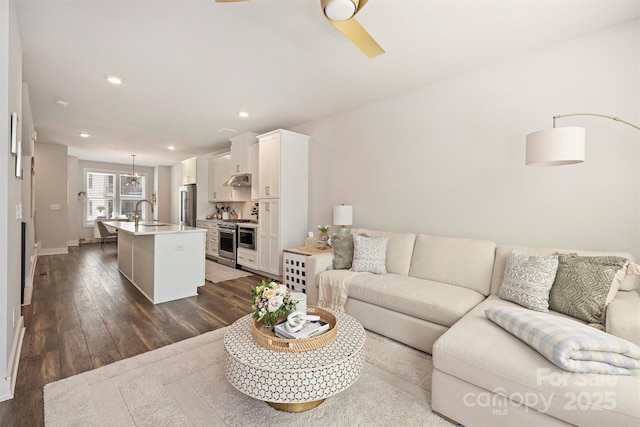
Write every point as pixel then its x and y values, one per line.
pixel 216 273
pixel 184 384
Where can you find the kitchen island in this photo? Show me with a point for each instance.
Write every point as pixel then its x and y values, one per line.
pixel 164 261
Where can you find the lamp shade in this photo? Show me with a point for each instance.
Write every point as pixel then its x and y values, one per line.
pixel 342 215
pixel 556 146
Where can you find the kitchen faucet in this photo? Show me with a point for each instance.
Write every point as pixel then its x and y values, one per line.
pixel 136 215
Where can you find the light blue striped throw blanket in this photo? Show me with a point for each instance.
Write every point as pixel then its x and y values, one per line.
pixel 568 344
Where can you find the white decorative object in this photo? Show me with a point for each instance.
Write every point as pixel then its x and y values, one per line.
pixel 301 299
pixel 297 319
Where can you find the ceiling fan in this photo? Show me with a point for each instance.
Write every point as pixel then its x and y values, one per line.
pixel 134 178
pixel 342 15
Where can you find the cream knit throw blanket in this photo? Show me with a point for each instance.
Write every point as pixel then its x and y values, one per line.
pixel 333 288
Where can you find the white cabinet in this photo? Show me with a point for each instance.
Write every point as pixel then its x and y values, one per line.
pixel 269 236
pixel 283 196
pixel 248 258
pixel 211 240
pixel 219 173
pixel 240 152
pixel 254 156
pixel 269 166
pixel 189 171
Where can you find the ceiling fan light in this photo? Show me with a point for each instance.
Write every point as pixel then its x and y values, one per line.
pixel 340 10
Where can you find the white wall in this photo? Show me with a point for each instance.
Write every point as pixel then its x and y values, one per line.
pixel 51 189
pixel 448 158
pixel 164 193
pixel 11 326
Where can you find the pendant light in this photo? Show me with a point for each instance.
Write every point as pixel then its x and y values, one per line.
pixel 134 178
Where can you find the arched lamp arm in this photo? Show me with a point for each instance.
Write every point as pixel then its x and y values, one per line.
pixel 617 119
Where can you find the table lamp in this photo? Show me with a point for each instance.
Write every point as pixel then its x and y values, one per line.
pixel 343 216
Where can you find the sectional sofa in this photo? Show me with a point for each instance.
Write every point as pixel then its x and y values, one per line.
pixel 434 297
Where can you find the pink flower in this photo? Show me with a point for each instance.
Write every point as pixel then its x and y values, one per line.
pixel 274 304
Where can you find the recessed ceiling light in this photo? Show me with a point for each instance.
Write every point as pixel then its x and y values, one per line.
pixel 114 80
pixel 84 135
pixel 243 114
pixel 171 147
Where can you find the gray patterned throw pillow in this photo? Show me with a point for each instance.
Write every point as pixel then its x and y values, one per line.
pixel 369 254
pixel 582 284
pixel 528 279
pixel 342 251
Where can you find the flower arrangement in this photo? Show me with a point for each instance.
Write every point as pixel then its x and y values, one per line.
pixel 271 301
pixel 324 228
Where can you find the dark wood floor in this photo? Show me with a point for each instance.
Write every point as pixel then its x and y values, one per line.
pixel 84 314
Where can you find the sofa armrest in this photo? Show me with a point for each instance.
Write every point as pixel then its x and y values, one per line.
pixel 315 265
pixel 623 316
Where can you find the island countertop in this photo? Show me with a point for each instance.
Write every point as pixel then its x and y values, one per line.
pixel 151 227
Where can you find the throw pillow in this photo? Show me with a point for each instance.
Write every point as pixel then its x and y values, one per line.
pixel 369 254
pixel 528 279
pixel 582 285
pixel 342 251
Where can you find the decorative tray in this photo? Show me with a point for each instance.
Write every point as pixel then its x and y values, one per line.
pixel 268 339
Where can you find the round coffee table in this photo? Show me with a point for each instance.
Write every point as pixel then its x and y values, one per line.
pixel 294 382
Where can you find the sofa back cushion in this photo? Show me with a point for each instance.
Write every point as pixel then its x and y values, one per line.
pixel 454 260
pixel 629 283
pixel 399 249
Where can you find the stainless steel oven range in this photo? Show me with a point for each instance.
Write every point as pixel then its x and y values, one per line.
pixel 227 243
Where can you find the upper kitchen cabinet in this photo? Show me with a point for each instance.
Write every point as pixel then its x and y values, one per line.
pixel 189 171
pixel 254 155
pixel 219 173
pixel 241 152
pixel 283 158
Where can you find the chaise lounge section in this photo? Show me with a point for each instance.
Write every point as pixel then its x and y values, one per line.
pixel 434 297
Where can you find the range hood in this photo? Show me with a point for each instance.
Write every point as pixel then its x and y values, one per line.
pixel 239 180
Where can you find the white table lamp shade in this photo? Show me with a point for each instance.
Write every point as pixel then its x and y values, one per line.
pixel 343 215
pixel 556 146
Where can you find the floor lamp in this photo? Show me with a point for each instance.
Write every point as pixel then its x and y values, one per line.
pixel 560 146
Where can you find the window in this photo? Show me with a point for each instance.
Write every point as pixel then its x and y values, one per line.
pixel 110 194
pixel 131 194
pixel 100 195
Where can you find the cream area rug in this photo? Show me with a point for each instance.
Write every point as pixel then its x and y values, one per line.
pixel 215 272
pixel 184 384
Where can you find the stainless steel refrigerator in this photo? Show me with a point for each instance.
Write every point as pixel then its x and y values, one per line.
pixel 188 205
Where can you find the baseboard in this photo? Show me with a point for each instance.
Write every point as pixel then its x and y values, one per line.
pixel 8 384
pixel 55 251
pixel 73 243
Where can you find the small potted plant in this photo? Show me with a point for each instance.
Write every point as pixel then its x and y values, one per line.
pixel 323 237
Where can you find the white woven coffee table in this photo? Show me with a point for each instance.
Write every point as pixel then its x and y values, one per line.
pixel 294 382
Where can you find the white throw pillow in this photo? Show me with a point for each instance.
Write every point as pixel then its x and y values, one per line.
pixel 369 254
pixel 528 279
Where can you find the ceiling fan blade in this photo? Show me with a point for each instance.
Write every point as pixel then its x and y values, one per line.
pixel 359 37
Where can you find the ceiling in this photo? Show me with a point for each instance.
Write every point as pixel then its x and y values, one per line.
pixel 189 66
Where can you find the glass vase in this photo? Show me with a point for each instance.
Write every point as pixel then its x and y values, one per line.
pixel 323 240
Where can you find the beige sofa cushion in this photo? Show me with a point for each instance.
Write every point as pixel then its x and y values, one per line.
pixel 455 260
pixel 399 249
pixel 483 354
pixel 427 300
pixel 502 252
